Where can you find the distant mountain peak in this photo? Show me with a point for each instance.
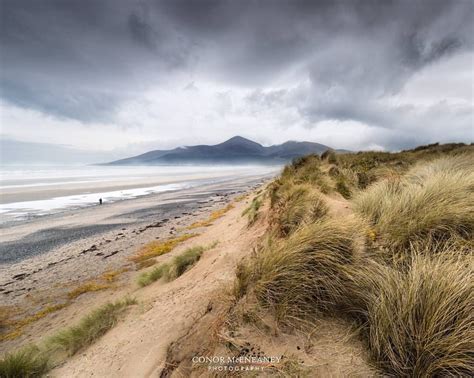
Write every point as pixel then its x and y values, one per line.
pixel 240 140
pixel 234 150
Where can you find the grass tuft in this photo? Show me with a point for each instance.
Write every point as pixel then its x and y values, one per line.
pixel 174 269
pixel 297 205
pixel 252 211
pixel 301 275
pixel 27 362
pixel 421 323
pixel 35 361
pixel 158 248
pixel 90 328
pixel 433 201
pixel 342 188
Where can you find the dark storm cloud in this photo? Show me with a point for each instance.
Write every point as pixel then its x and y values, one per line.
pixel 82 59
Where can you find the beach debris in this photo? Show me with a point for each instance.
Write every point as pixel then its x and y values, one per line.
pixel 110 254
pixel 92 248
pixel 20 276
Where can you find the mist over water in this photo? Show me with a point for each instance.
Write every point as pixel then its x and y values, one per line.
pixel 28 191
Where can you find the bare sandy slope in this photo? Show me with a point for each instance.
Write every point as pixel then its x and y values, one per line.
pixel 137 346
pixel 180 319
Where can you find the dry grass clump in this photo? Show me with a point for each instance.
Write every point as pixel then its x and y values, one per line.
pixel 301 275
pixel 372 166
pixel 342 188
pixel 305 170
pixel 421 323
pixel 329 156
pixel 15 327
pixel 112 275
pixel 86 288
pixel 434 201
pixel 213 217
pixel 158 248
pixel 409 289
pixel 297 205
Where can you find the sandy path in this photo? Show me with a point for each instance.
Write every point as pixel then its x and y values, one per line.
pixel 137 346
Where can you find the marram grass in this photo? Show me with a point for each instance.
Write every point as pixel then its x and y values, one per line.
pixel 175 268
pixel 434 201
pixel 403 272
pixel 36 360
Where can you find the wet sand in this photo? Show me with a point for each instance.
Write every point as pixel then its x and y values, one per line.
pixel 61 250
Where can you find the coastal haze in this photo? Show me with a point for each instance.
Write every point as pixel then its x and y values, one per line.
pixel 30 191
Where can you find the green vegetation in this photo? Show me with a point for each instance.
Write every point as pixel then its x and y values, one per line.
pixel 27 362
pixel 158 248
pixel 90 328
pixel 400 267
pixel 252 212
pixel 179 265
pixel 35 361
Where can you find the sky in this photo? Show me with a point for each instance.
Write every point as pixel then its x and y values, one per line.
pixel 122 77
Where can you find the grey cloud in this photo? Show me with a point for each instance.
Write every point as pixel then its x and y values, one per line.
pixel 82 60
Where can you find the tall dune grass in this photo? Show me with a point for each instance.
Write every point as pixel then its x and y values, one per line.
pixel 415 313
pixel 421 323
pixel 298 204
pixel 301 275
pixel 434 201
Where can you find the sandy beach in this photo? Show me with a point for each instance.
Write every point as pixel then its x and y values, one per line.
pixel 42 259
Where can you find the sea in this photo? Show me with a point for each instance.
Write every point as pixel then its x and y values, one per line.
pixel 31 191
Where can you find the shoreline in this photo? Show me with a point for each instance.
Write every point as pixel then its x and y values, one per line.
pixel 48 187
pixel 72 248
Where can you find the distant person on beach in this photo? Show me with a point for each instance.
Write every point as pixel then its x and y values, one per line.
pixel 100 201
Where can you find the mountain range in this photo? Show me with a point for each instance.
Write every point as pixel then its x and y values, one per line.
pixel 234 150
